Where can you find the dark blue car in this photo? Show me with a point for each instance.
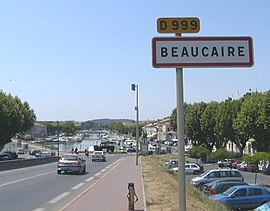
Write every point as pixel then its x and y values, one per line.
pixel 243 197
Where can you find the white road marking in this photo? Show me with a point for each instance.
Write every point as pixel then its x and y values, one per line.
pixel 77 186
pixel 59 197
pixel 89 179
pixel 27 178
pixel 103 170
pixel 97 174
pixel 39 209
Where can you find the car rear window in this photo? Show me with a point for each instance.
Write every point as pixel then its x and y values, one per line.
pixel 236 174
pixel 69 157
pixel 255 192
pixel 225 174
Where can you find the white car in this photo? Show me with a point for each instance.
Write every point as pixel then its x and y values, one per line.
pixel 191 168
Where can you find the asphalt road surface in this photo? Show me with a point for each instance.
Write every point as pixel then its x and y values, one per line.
pixel 40 188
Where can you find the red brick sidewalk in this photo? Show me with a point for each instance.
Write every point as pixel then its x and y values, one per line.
pixel 110 193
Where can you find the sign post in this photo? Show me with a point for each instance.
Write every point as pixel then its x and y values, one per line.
pixel 180 136
pixel 179 52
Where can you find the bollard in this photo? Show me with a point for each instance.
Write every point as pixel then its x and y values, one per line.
pixel 131 195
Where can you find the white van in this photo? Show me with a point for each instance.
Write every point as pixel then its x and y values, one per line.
pixel 216 174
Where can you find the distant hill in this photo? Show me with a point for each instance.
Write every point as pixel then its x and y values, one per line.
pixel 109 121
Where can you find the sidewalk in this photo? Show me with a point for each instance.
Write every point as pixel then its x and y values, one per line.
pixel 110 193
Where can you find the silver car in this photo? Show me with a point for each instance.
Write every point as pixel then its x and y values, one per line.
pixel 216 174
pixel 98 156
pixel 71 163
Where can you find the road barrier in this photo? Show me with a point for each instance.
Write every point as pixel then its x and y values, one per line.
pixel 22 163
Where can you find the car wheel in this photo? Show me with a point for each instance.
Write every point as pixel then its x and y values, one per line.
pixel 58 171
pixel 196 172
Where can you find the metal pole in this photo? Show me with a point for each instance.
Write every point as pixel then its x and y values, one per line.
pixel 57 139
pixel 137 124
pixel 180 135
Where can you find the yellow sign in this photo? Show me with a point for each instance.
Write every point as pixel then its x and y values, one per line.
pixel 178 25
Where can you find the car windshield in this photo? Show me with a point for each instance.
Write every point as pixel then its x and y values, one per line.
pixel 203 174
pixel 98 153
pixel 229 191
pixel 69 157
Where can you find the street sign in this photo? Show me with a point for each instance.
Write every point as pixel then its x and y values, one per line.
pixel 180 52
pixel 178 25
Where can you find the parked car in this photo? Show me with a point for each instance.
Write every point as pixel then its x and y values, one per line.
pixel 242 166
pixel 215 174
pixel 220 186
pixel 264 207
pixel 172 163
pixel 261 164
pixel 266 169
pixel 225 163
pixel 5 156
pixel 71 163
pixel 243 197
pixel 98 156
pixel 13 154
pixel 21 151
pixel 191 168
pixel 252 167
pixel 35 152
pixel 207 186
pixel 45 154
pixel 235 163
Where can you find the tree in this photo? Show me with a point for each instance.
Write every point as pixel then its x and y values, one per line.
pixel 173 117
pixel 220 154
pixel 193 128
pixel 198 153
pixel 15 117
pixel 69 128
pixel 262 129
pixel 208 124
pixel 224 118
pixel 119 127
pixel 245 122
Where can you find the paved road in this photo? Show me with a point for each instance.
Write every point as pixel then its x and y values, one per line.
pixel 41 188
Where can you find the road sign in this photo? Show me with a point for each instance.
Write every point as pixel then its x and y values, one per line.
pixel 202 52
pixel 178 25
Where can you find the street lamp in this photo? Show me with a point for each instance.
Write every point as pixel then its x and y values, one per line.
pixel 136 88
pixel 58 139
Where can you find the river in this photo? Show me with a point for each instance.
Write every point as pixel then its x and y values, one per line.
pixel 93 139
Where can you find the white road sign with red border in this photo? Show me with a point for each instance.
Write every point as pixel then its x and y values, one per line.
pixel 202 52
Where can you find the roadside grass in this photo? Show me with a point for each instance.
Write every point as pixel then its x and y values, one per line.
pixel 161 188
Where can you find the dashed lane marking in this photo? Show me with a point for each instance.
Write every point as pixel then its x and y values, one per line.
pixel 59 197
pixel 77 186
pixel 89 179
pixel 97 174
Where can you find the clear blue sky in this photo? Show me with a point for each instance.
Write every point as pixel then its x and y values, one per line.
pixel 76 60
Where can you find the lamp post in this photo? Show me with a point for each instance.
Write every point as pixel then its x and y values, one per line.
pixel 57 138
pixel 136 88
